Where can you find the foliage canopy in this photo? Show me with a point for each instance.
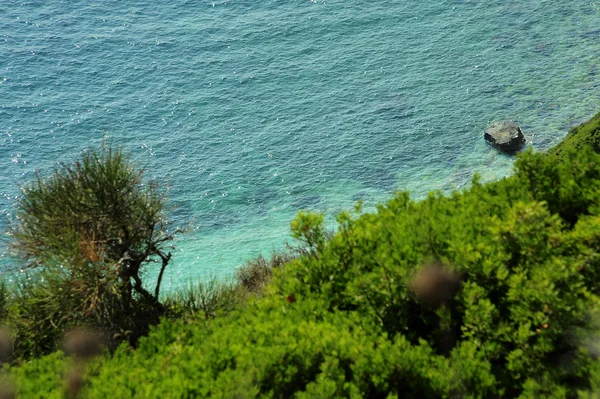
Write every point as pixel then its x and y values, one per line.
pixel 492 292
pixel 91 230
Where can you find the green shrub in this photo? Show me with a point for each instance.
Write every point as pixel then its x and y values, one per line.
pixel 205 298
pixel 257 272
pixel 282 355
pixel 525 249
pixel 43 378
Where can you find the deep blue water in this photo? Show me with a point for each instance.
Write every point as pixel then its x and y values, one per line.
pixel 250 111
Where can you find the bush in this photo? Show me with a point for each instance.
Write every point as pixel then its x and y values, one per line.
pixel 87 234
pixel 206 299
pixel 524 250
pixel 278 354
pixel 257 272
pixel 311 235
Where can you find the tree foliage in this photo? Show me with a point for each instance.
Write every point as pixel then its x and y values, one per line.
pixel 87 234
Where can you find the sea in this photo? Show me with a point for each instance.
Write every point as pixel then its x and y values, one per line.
pixel 247 112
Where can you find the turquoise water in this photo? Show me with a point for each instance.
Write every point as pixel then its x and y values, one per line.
pixel 251 111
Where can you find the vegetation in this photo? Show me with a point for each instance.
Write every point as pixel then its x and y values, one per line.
pixel 205 299
pixel 487 293
pixel 586 134
pixel 86 235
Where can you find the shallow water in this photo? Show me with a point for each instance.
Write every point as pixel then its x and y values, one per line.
pixel 251 111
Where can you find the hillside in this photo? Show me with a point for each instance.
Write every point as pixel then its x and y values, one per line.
pixel 587 133
pixel 490 292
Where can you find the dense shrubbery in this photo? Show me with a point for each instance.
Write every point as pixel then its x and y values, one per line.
pixel 492 292
pixel 525 250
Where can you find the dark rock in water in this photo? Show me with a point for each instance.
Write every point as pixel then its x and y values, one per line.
pixel 505 136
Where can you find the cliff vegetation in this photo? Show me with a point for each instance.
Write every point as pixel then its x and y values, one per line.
pixel 492 292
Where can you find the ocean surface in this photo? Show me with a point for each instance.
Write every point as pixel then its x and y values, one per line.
pixel 249 111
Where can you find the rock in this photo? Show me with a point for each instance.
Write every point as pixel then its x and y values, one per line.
pixel 505 136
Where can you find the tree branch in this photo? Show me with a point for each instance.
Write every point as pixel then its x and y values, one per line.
pixel 165 262
pixel 140 289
